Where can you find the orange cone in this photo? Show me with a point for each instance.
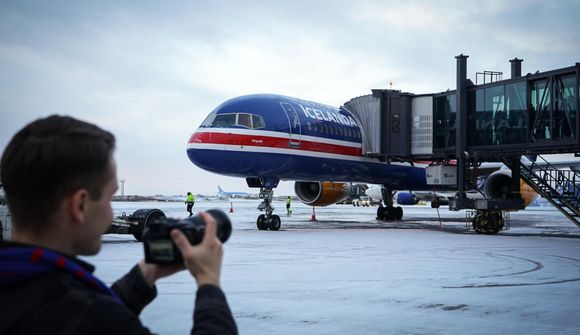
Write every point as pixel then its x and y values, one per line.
pixel 313 218
pixel 231 207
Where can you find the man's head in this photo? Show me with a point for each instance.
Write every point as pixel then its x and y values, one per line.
pixel 188 193
pixel 54 162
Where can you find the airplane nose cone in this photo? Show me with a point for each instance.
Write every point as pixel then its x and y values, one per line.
pixel 199 151
pixel 193 144
pixel 196 137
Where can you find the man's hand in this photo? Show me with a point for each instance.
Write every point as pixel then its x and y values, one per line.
pixel 152 272
pixel 203 260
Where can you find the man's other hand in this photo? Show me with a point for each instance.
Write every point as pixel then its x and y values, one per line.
pixel 203 260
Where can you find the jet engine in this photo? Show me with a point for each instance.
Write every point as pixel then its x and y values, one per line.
pixel 498 185
pixel 320 193
pixel 407 198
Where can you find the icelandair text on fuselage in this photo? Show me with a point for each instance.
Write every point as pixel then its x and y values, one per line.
pixel 317 114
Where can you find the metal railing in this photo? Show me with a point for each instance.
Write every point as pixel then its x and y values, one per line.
pixel 559 187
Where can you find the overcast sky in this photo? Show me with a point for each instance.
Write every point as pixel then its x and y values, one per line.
pixel 150 71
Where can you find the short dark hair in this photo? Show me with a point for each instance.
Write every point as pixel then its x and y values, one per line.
pixel 50 159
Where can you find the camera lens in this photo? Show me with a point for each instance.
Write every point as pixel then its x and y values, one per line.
pixel 224 225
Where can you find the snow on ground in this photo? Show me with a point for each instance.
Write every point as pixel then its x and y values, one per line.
pixel 350 274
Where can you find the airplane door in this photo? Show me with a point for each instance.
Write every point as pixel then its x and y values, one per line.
pixel 295 131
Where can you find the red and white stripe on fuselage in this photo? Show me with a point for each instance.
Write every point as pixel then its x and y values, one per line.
pixel 232 139
pixel 240 140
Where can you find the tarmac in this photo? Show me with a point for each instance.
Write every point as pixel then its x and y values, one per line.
pixel 347 273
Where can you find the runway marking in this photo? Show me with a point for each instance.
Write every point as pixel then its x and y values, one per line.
pixel 539 266
pixel 515 284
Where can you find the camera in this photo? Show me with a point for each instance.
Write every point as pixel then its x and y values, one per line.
pixel 159 247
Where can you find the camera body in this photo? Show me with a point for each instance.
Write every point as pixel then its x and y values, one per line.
pixel 159 247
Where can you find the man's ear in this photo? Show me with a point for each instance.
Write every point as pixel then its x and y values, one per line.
pixel 78 205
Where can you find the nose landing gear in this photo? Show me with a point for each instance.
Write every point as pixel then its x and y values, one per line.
pixel 267 220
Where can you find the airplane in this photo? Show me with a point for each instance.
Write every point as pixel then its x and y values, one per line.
pixel 266 138
pixel 226 195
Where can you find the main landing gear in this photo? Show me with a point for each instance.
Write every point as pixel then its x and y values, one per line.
pixel 488 222
pixel 267 220
pixel 389 212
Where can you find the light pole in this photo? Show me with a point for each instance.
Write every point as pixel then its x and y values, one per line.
pixel 122 187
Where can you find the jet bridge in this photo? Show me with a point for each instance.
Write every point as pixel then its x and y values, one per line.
pixel 497 121
pixel 395 125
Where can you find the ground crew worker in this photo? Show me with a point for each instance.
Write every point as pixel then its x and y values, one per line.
pixel 190 201
pixel 288 201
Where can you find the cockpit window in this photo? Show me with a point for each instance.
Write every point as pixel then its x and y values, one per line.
pixel 258 121
pixel 224 120
pixel 246 120
pixel 208 121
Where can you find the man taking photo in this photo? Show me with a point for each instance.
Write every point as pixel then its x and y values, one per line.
pixel 59 176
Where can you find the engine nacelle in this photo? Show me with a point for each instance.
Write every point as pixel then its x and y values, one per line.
pixel 498 185
pixel 320 193
pixel 407 198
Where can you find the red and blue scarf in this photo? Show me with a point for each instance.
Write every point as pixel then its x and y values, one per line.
pixel 21 263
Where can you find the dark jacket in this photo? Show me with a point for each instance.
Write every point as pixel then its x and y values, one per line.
pixel 42 291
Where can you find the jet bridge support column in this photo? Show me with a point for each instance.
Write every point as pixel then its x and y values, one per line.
pixel 461 130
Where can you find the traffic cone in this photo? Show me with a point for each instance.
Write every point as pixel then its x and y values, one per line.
pixel 231 207
pixel 313 218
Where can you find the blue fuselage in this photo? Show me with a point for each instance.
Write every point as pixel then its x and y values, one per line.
pixel 273 136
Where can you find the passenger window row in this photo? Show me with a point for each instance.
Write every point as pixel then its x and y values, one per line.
pixel 333 130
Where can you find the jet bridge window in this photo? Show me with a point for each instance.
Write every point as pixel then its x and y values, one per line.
pixel 444 122
pixel 553 108
pixel 500 115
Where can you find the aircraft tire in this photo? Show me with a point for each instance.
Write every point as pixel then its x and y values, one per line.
pixel 389 213
pixel 274 222
pixel 476 222
pixel 261 222
pixel 398 213
pixel 488 222
pixel 497 223
pixel 381 213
